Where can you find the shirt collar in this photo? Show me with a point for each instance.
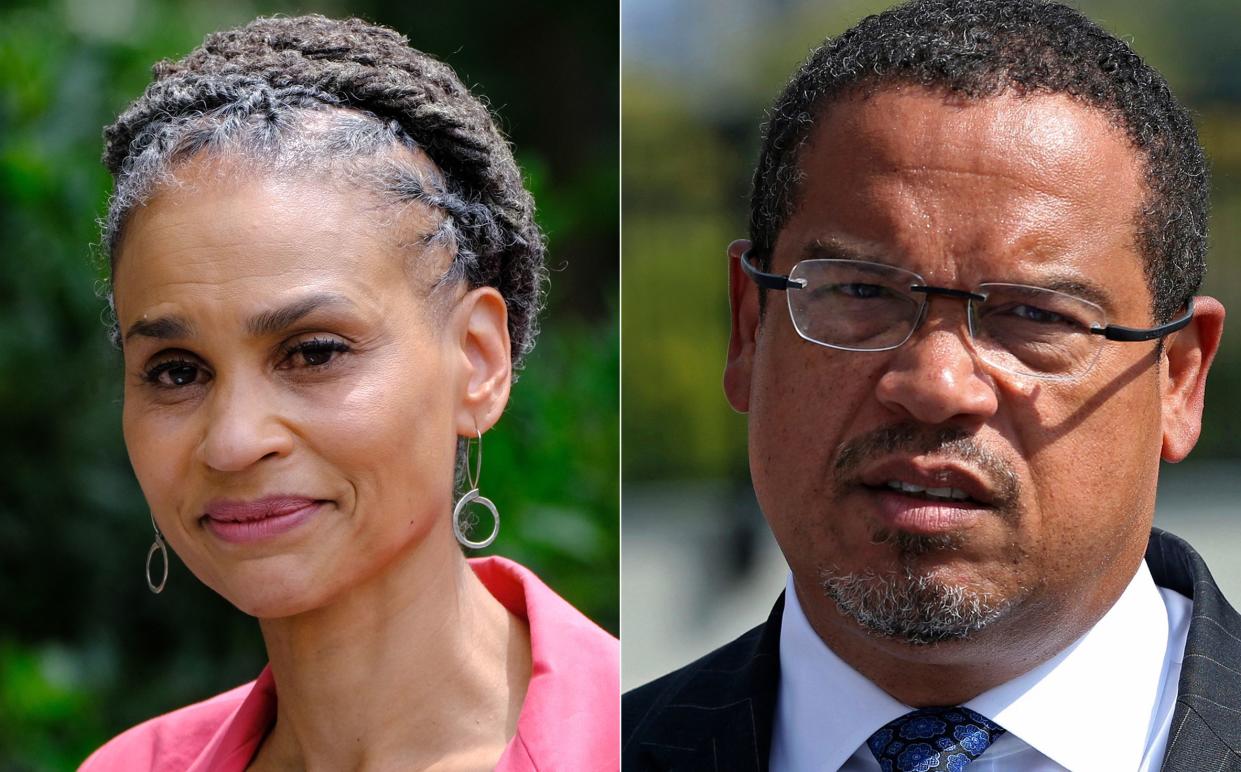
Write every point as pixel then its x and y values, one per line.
pixel 237 740
pixel 571 702
pixel 1107 684
pixel 573 663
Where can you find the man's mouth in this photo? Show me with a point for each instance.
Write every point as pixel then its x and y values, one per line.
pixel 928 468
pixel 928 496
pixel 939 481
pixel 931 494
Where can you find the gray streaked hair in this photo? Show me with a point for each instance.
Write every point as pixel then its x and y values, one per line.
pixel 350 102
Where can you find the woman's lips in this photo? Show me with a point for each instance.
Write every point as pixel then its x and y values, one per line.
pixel 241 522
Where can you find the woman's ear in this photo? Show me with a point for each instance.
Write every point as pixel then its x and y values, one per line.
pixel 486 365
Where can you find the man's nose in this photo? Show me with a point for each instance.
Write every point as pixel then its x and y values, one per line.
pixel 936 377
pixel 243 426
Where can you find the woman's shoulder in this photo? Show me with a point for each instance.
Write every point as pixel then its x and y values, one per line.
pixel 571 715
pixel 172 741
pixel 566 629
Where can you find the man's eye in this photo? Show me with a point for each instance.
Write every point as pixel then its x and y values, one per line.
pixel 317 352
pixel 175 374
pixel 1040 315
pixel 859 290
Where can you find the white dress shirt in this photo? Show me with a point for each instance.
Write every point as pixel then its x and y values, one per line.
pixel 1103 704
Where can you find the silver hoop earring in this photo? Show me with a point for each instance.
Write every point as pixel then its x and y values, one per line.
pixel 157 546
pixel 472 497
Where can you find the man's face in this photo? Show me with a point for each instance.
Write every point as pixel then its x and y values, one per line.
pixel 1060 475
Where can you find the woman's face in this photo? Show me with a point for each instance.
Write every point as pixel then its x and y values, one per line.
pixel 293 388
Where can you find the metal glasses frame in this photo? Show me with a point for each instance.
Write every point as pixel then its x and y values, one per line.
pixel 1116 332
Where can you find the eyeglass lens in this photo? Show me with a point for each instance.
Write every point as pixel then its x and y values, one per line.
pixel 862 306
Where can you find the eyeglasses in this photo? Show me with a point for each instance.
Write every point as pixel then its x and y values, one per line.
pixel 854 305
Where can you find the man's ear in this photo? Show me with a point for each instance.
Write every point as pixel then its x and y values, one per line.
pixel 485 360
pixel 1187 358
pixel 743 304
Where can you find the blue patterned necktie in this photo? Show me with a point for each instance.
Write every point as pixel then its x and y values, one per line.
pixel 933 739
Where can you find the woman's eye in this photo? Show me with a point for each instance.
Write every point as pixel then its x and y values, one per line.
pixel 175 374
pixel 314 353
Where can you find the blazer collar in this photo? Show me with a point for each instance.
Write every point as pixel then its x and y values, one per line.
pixel 1205 724
pixel 720 718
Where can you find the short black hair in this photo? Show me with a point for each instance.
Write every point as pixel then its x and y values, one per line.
pixel 982 48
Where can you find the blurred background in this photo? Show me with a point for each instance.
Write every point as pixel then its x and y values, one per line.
pixel 699 566
pixel 85 649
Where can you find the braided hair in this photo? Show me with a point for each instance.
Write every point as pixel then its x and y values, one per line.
pixel 348 98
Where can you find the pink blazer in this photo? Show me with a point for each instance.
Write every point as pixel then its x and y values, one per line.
pixel 570 719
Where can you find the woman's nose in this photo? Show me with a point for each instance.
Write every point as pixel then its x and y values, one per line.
pixel 243 426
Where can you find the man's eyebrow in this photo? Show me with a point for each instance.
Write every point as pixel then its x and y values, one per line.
pixel 1077 287
pixel 277 319
pixel 834 249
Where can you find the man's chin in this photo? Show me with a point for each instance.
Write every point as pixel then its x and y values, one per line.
pixel 918 607
pixel 909 546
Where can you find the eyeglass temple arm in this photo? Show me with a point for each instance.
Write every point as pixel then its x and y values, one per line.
pixel 1134 334
pixel 771 281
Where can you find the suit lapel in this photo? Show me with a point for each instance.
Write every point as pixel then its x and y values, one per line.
pixel 720 718
pixel 1206 723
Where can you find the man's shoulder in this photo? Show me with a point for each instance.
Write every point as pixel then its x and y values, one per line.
pixel 1175 565
pixel 728 659
pixel 1205 733
pixel 171 741
pixel 729 692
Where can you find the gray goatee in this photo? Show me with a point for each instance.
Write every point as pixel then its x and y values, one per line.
pixel 906 604
pixel 916 608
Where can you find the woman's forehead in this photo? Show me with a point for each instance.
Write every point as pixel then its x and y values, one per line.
pixel 218 235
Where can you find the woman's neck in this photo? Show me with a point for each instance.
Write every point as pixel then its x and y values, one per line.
pixel 418 668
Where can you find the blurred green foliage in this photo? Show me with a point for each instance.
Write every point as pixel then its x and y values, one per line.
pixel 85 649
pixel 693 104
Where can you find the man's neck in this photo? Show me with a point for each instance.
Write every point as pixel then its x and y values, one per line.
pixel 953 672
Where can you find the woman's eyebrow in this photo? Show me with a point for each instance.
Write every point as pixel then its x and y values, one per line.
pixel 260 325
pixel 162 327
pixel 277 319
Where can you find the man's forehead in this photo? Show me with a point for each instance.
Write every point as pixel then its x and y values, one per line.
pixel 1034 165
pixel 916 126
pixel 1012 188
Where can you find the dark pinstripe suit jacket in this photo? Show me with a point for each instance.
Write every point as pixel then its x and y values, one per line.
pixel 716 713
